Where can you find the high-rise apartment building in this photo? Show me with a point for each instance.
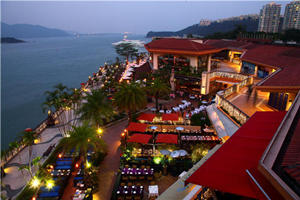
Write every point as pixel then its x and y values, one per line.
pixel 269 18
pixel 292 16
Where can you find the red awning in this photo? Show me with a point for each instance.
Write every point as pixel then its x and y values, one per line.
pixel 140 138
pixel 138 127
pixel 226 169
pixel 146 116
pixel 170 117
pixel 167 138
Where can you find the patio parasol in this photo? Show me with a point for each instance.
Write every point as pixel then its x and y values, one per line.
pixel 28 130
pixel 182 152
pixel 165 152
pixel 153 127
pixel 174 154
pixel 179 128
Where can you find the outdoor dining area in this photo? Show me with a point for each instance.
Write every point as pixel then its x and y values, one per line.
pixel 61 170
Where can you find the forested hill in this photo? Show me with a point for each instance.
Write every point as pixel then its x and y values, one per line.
pixel 29 31
pixel 224 25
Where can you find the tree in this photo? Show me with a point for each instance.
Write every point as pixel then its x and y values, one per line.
pixel 126 49
pixel 97 108
pixel 158 89
pixel 199 151
pixel 65 100
pixel 129 98
pixel 28 138
pixel 83 138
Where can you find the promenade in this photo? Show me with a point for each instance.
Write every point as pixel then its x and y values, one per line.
pixel 16 179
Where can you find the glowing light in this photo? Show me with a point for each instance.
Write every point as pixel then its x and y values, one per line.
pixel 88 165
pixel 100 130
pixel 33 198
pixel 60 155
pixel 36 141
pixel 123 134
pixel 76 165
pixel 49 112
pixel 157 160
pixel 35 182
pixel 50 184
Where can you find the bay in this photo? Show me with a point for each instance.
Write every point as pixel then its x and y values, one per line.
pixel 29 69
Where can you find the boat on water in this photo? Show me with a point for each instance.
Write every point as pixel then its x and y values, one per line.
pixel 137 43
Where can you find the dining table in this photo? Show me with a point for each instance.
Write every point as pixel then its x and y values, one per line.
pixel 130 190
pixel 137 171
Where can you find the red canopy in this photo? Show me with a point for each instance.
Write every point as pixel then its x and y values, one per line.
pixel 170 117
pixel 147 117
pixel 140 138
pixel 167 138
pixel 138 127
pixel 226 169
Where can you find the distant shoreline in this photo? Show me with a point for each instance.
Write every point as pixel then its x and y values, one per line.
pixel 11 40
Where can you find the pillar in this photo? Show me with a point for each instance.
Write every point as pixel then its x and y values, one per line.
pixel 194 62
pixel 209 63
pixel 205 83
pixel 255 71
pixel 155 61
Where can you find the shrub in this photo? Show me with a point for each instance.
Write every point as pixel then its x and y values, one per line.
pixel 200 119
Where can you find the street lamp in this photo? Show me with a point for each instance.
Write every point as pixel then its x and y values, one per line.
pixel 35 182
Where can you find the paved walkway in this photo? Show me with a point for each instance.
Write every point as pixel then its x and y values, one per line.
pixel 223 125
pixel 111 163
pixel 249 105
pixel 15 179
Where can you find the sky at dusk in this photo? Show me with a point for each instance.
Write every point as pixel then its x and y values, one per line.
pixel 117 17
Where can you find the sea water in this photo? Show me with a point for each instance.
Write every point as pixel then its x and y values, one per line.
pixel 29 69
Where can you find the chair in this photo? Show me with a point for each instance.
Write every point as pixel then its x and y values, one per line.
pixel 128 197
pixel 152 183
pixel 120 198
pixel 126 166
pixel 138 184
pixel 143 166
pixel 134 166
pixel 141 178
pixel 132 178
pixel 150 178
pixel 125 178
pixel 137 198
pixel 148 167
pixel 129 184
pixel 122 184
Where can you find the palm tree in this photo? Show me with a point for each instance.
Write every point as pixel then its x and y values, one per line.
pixel 28 139
pixel 158 89
pixel 97 109
pixel 83 138
pixel 130 98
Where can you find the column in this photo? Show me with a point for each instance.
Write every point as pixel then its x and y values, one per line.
pixel 194 62
pixel 209 63
pixel 155 61
pixel 205 83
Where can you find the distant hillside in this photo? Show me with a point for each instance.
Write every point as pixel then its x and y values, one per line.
pixel 11 40
pixel 29 31
pixel 223 25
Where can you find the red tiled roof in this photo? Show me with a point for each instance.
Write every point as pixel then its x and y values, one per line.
pixel 228 44
pixel 286 58
pixel 138 127
pixel 167 138
pixel 178 45
pixel 241 152
pixel 140 72
pixel 147 117
pixel 140 138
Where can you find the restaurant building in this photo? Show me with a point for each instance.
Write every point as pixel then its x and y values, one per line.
pixel 276 68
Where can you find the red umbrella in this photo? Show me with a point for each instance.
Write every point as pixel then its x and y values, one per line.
pixel 28 129
pixel 82 83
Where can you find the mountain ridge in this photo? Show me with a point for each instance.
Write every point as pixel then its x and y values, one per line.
pixel 221 25
pixel 30 31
